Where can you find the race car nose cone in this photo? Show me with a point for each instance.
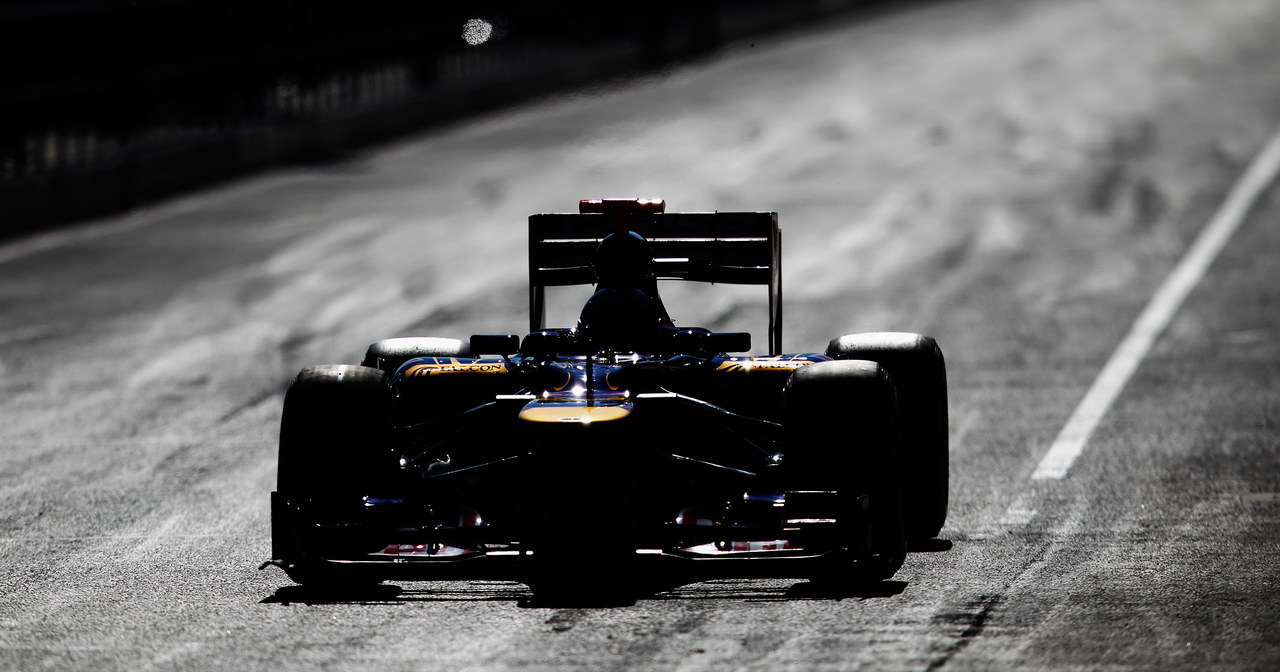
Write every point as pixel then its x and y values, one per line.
pixel 543 411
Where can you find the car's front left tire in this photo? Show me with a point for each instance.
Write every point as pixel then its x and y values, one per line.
pixel 841 433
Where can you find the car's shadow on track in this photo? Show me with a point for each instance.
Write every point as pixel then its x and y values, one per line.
pixel 930 546
pixel 591 594
pixel 745 590
pixel 389 594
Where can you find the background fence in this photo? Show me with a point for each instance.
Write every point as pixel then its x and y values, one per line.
pixel 109 104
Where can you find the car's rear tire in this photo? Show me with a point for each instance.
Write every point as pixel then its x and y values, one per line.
pixel 334 447
pixel 841 433
pixel 388 354
pixel 919 373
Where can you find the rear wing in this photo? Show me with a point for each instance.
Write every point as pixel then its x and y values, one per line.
pixel 741 248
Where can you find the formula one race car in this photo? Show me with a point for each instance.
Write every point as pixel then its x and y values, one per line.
pixel 624 451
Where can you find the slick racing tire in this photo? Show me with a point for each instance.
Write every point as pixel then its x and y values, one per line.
pixel 841 432
pixel 334 448
pixel 334 432
pixel 919 372
pixel 388 354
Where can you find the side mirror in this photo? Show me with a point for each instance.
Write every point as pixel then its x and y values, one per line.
pixel 729 341
pixel 547 343
pixel 495 344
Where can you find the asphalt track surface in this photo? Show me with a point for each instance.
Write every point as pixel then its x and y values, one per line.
pixel 1015 178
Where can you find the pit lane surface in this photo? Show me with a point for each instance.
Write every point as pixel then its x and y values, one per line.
pixel 1015 178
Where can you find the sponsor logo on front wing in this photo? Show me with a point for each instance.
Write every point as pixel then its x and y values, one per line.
pixel 763 364
pixel 494 366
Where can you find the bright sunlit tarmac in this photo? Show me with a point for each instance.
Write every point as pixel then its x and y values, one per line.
pixel 1014 178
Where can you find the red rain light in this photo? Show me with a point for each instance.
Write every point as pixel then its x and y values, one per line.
pixel 621 206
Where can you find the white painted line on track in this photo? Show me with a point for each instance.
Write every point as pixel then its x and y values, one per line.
pixel 1159 312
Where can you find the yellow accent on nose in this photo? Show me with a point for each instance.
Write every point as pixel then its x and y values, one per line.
pixel 579 414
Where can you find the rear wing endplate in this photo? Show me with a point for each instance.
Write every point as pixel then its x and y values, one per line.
pixel 741 248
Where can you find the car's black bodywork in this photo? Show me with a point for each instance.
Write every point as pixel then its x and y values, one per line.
pixel 626 449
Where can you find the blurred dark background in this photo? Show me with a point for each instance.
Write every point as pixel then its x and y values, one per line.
pixel 109 104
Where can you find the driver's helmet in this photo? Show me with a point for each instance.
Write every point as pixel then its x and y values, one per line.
pixel 620 318
pixel 624 260
pixel 625 313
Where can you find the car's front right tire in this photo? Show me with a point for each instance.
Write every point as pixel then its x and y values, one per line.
pixel 334 449
pixel 389 353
